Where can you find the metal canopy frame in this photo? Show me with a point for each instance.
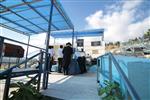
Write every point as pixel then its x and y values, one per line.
pixel 85 33
pixel 72 34
pixel 14 16
pixel 37 10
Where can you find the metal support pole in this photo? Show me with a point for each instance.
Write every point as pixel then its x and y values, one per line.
pixel 102 63
pixel 7 84
pixel 27 51
pixel 73 38
pixel 98 71
pixel 54 41
pixel 101 67
pixel 1 49
pixel 76 39
pixel 47 77
pixel 110 68
pixel 40 70
pixel 47 42
pixel 76 42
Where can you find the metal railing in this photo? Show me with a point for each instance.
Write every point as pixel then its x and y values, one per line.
pixel 16 71
pixel 7 62
pixel 130 91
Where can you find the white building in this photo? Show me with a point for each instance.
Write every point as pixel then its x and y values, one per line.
pixel 91 41
pixel 94 46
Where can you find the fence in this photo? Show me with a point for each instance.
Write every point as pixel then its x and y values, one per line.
pixel 17 71
pixel 109 69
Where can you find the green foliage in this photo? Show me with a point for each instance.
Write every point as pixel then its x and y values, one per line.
pixel 112 91
pixel 25 92
pixel 147 34
pixel 117 43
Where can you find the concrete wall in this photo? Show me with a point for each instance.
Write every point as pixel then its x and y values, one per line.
pixel 136 69
pixel 138 72
pixel 139 76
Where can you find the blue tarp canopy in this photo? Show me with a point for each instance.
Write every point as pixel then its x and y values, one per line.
pixel 70 34
pixel 32 16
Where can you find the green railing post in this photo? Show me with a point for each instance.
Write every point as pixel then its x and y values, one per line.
pixel 110 68
pixel 7 84
pixel 98 71
pixel 101 66
pixel 47 41
pixel 47 71
pixel 130 91
pixel 40 70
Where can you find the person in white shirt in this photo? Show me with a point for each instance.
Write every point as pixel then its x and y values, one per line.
pixel 79 53
pixel 60 58
pixel 51 51
pixel 82 61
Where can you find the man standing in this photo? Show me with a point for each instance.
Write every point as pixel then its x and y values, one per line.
pixel 60 58
pixel 51 51
pixel 67 54
pixel 82 61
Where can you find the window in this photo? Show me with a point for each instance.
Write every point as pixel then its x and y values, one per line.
pixel 96 43
pixel 80 42
pixel 95 52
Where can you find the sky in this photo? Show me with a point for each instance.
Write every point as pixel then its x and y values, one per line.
pixel 121 19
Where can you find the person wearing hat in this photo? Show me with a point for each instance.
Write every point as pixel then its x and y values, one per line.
pixel 67 55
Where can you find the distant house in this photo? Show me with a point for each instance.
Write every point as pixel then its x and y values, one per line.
pixel 11 50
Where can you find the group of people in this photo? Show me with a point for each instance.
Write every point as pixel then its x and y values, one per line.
pixel 64 57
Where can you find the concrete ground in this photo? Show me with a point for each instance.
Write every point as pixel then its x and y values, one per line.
pixel 77 87
pixel 73 87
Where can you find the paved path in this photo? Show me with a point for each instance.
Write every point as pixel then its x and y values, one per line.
pixel 78 87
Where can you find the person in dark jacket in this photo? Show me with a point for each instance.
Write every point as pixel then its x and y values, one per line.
pixel 67 55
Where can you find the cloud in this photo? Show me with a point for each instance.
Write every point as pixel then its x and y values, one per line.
pixel 131 4
pixel 137 29
pixel 119 25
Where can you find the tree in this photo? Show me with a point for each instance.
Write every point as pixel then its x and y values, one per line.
pixel 117 43
pixel 110 43
pixel 147 34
